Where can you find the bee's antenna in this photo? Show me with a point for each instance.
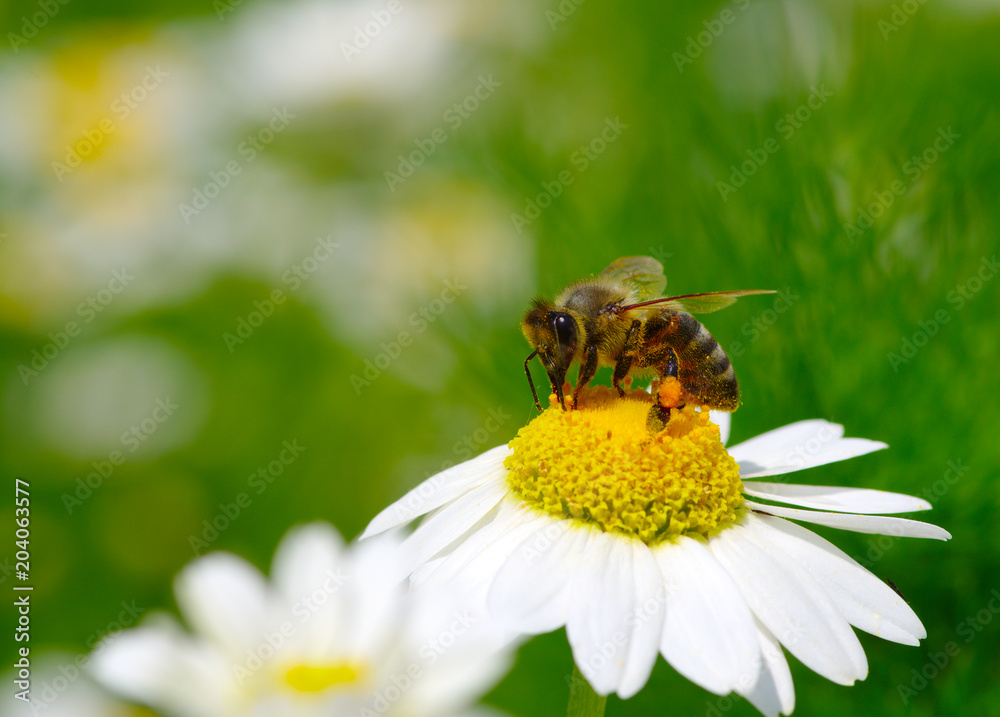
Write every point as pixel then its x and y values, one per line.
pixel 530 382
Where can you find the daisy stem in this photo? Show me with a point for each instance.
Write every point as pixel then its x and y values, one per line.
pixel 583 701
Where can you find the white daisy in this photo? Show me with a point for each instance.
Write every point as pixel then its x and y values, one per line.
pixel 332 633
pixel 641 545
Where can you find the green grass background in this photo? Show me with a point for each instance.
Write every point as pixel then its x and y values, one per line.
pixel 653 191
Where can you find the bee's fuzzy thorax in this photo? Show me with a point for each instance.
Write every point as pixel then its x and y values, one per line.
pixel 609 290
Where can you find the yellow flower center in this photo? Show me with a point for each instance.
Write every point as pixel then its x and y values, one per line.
pixel 316 678
pixel 600 465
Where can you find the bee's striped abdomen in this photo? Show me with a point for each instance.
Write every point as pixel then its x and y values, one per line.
pixel 704 368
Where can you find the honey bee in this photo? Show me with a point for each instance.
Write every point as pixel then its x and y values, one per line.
pixel 619 319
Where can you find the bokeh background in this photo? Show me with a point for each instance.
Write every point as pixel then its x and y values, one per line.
pixel 217 219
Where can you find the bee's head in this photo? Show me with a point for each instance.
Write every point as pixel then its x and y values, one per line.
pixel 555 336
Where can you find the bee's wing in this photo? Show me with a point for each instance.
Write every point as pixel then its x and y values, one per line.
pixel 644 273
pixel 698 303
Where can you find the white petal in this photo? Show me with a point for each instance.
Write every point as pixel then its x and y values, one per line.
pixel 879 524
pixel 227 600
pixel 601 598
pixel 458 653
pixel 646 620
pixel 309 570
pixel 369 595
pixel 69 695
pixel 774 692
pixel 475 562
pixel 456 679
pixel 531 589
pixel 839 450
pixel 709 634
pixel 792 606
pixel 460 656
pixel 788 438
pixel 305 557
pixel 866 602
pixel 451 522
pixel 450 563
pixel 724 421
pixel 159 665
pixel 801 445
pixel 440 489
pixel 426 571
pixel 837 498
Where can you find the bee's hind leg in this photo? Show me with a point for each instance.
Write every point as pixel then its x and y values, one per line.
pixel 669 396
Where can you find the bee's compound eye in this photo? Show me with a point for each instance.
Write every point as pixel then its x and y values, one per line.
pixel 565 327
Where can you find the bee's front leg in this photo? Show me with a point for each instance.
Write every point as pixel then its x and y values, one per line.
pixel 628 353
pixel 587 370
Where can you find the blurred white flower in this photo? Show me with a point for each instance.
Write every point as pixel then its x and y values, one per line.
pixel 395 262
pixel 108 135
pixel 134 396
pixel 60 687
pixel 331 633
pixel 374 52
pixel 116 133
